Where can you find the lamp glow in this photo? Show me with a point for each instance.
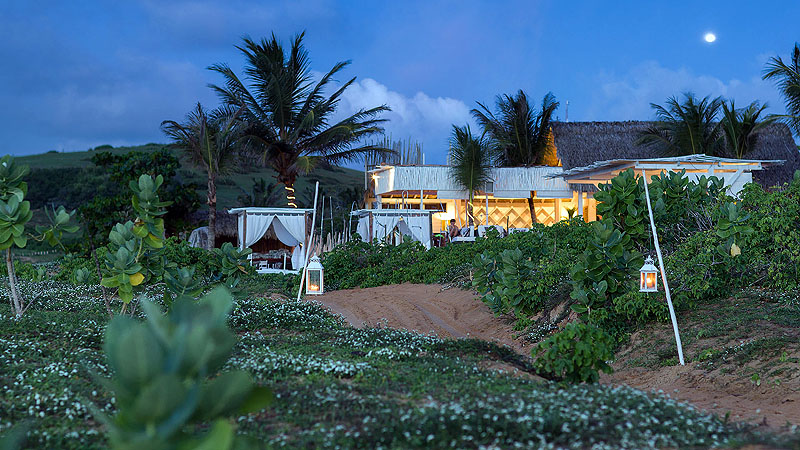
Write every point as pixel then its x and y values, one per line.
pixel 648 276
pixel 315 277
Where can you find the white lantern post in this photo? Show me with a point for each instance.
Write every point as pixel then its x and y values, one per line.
pixel 648 276
pixel 663 272
pixel 315 277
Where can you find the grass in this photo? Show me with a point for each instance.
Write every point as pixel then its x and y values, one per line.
pixel 755 331
pixel 339 386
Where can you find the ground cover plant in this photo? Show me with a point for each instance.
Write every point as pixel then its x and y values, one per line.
pixel 335 385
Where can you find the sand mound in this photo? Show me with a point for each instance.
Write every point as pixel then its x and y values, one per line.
pixel 426 308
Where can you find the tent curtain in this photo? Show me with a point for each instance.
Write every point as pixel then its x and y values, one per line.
pixel 291 230
pixel 419 227
pixel 363 228
pixel 257 226
pixel 383 225
pixel 298 258
pixel 240 231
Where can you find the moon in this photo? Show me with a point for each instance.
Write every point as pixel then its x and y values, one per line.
pixel 710 37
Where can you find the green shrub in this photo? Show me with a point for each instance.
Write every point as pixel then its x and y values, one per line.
pixel 522 284
pixel 606 268
pixel 577 353
pixel 772 251
pixel 622 202
pixel 639 307
pixel 204 262
pixel 161 383
pixel 362 264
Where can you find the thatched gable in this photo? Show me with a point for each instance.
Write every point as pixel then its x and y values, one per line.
pixel 583 143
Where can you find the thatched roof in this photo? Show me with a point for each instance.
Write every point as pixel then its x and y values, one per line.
pixel 226 223
pixel 583 143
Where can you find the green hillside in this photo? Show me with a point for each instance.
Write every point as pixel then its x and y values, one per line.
pixel 332 180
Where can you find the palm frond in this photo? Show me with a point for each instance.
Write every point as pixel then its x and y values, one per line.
pixel 787 79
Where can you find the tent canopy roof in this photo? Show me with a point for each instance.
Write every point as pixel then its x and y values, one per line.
pixel 270 211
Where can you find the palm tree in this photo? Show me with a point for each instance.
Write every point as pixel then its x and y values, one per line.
pixel 519 135
pixel 739 126
pixel 686 128
pixel 289 116
pixel 517 132
pixel 210 141
pixel 471 158
pixel 787 78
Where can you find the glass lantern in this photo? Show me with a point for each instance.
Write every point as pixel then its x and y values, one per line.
pixel 314 277
pixel 648 276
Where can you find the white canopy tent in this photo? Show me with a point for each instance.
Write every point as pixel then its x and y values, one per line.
pixel 287 225
pixel 381 223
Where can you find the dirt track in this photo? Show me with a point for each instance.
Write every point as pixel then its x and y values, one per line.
pixel 456 313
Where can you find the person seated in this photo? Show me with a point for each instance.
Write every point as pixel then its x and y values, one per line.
pixel 452 230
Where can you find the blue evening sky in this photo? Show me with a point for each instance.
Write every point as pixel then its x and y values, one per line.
pixel 84 73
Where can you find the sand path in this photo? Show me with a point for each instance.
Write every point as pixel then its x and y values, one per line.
pixel 426 308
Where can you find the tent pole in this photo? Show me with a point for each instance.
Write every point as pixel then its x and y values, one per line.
pixel 663 272
pixel 309 244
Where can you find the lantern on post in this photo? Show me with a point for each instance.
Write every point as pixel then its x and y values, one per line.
pixel 648 276
pixel 314 277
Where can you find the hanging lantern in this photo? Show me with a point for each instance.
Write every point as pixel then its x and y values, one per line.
pixel 648 276
pixel 314 277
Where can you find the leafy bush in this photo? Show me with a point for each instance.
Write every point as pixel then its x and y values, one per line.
pixel 622 201
pixel 523 284
pixel 204 262
pixel 362 264
pixel 638 307
pixel 605 269
pixel 160 382
pixel 576 354
pixel 772 251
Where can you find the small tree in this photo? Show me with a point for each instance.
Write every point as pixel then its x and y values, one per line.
pixel 210 141
pixel 133 255
pixel 167 378
pixel 15 213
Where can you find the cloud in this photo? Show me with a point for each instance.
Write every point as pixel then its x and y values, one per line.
pixel 420 117
pixel 628 96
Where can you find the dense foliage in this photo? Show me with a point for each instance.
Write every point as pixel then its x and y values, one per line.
pixel 111 203
pixel 528 277
pixel 362 264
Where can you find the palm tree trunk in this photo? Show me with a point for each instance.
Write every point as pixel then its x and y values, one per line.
pixel 532 209
pixel 212 209
pixel 470 209
pixel 16 299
